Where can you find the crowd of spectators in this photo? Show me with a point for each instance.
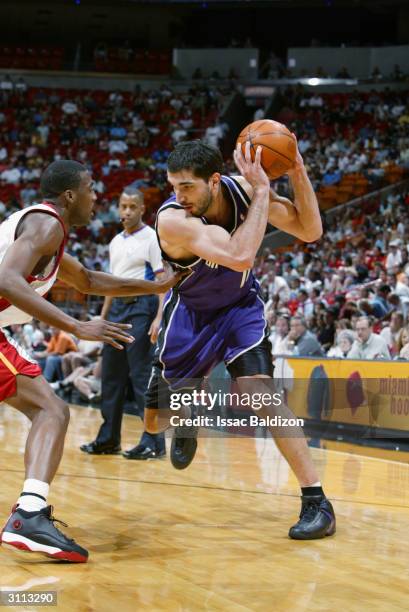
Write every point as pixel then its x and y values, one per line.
pixel 351 143
pixel 346 296
pixel 124 138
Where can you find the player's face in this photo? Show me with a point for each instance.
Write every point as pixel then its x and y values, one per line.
pixel 82 200
pixel 131 209
pixel 193 193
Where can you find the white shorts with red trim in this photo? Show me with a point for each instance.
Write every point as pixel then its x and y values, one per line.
pixel 14 360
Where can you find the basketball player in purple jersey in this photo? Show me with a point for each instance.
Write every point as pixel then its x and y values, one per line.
pixel 212 227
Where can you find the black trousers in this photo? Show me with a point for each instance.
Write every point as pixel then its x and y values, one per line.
pixel 132 364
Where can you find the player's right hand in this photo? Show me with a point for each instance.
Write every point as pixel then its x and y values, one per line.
pixel 252 171
pixel 100 330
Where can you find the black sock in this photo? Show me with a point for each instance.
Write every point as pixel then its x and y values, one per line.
pixel 312 491
pixel 148 439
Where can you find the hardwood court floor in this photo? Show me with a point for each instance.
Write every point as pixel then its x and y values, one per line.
pixel 213 537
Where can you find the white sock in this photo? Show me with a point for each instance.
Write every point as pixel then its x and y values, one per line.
pixel 34 495
pixel 315 484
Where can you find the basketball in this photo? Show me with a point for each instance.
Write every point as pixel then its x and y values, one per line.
pixel 279 145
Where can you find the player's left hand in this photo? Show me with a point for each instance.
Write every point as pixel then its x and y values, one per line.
pixel 154 329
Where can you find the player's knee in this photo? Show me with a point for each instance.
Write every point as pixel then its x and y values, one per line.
pixel 59 412
pixel 63 413
pixel 65 410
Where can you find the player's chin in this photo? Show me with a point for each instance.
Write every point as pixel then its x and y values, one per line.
pixel 194 213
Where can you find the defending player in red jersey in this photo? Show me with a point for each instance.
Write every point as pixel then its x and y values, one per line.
pixel 31 259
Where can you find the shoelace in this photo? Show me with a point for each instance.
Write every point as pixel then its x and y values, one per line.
pixel 55 520
pixel 309 510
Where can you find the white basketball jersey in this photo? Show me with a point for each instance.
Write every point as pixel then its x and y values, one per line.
pixel 42 283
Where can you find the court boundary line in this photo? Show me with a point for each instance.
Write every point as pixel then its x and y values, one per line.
pixel 209 487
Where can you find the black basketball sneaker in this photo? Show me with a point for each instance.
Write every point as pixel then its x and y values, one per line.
pixel 35 532
pixel 317 519
pixel 183 446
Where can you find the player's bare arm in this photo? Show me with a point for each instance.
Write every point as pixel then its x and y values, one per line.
pixel 189 236
pixel 37 243
pixel 300 218
pixel 87 281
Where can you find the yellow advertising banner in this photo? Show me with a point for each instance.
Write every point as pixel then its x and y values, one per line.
pixel 370 393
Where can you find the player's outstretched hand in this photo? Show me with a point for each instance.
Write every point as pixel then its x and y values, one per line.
pixel 251 170
pixel 101 330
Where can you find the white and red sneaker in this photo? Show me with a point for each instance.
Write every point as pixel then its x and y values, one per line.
pixel 35 532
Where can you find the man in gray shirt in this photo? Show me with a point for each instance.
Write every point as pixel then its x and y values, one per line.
pixel 368 345
pixel 305 342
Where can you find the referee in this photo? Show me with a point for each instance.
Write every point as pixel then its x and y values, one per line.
pixel 134 253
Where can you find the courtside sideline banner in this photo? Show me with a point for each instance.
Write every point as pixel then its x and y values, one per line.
pixel 374 393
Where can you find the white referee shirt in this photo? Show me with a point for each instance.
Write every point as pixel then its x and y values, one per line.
pixel 135 255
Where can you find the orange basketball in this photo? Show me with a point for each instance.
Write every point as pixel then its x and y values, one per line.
pixel 279 145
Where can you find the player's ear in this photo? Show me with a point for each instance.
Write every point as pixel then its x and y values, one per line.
pixel 215 179
pixel 69 195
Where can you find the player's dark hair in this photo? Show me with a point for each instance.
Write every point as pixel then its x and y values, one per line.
pixel 198 156
pixel 60 176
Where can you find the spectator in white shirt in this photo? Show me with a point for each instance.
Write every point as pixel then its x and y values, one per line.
pixel 213 135
pixel 368 345
pixel 304 144
pixel 69 107
pixel 394 256
pixel 176 103
pixel 117 146
pixel 279 332
pixel 6 85
pixel 344 341
pixel 316 101
pixel 178 134
pixel 11 176
pixel 277 286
